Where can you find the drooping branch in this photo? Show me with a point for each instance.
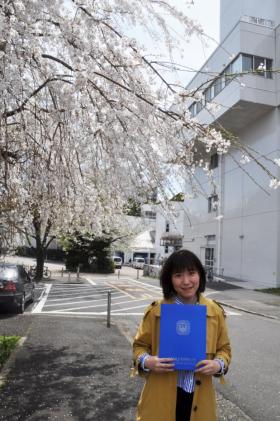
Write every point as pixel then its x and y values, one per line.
pixel 34 93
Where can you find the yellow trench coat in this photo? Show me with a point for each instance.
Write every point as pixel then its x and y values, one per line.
pixel 158 398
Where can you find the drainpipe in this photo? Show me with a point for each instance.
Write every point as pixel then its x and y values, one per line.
pixel 220 213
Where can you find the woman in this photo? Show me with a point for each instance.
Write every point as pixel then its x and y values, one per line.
pixel 170 395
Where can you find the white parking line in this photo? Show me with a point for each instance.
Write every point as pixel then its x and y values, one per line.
pixel 102 305
pixel 90 281
pixel 72 293
pixel 41 303
pixel 81 302
pixel 82 296
pixel 129 308
pixel 86 313
pixel 144 283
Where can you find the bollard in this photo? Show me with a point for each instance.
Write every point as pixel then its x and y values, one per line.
pixel 69 275
pixel 109 309
pixel 137 273
pixel 78 271
pixel 62 272
pixel 119 274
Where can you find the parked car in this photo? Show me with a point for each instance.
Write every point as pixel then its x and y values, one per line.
pixel 138 262
pixel 117 262
pixel 16 287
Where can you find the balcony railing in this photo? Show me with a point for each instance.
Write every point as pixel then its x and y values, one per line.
pixel 258 21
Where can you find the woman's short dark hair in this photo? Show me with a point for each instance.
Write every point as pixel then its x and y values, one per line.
pixel 178 262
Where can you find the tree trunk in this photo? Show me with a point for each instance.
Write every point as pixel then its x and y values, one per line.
pixel 42 242
pixel 40 260
pixel 40 252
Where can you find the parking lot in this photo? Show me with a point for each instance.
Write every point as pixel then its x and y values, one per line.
pixel 90 297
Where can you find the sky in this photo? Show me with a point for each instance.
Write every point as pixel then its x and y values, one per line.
pixel 205 12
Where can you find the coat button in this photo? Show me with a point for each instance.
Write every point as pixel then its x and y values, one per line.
pixel 195 408
pixel 198 382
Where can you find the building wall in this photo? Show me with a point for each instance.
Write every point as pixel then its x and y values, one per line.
pixel 246 225
pixel 232 11
pixel 246 243
pixel 251 216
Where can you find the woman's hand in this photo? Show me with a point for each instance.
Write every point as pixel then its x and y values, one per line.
pixel 159 365
pixel 208 367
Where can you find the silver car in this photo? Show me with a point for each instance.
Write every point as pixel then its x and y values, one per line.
pixel 138 262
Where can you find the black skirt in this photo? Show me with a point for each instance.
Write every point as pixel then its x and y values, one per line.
pixel 183 405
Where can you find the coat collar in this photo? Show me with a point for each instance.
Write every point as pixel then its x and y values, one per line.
pixel 202 301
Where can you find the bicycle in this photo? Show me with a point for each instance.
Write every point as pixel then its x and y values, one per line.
pixel 46 272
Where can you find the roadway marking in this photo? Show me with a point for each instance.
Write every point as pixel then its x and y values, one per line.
pixel 232 313
pixel 119 289
pixel 144 283
pixel 80 302
pixel 86 313
pixel 41 303
pixel 83 296
pixel 90 281
pixel 206 294
pixel 102 305
pixel 130 308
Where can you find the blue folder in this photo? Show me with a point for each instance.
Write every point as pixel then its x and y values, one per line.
pixel 183 334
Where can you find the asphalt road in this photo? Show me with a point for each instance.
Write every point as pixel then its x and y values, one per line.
pixel 254 377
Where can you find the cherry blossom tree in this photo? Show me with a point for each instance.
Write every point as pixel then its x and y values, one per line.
pixel 87 120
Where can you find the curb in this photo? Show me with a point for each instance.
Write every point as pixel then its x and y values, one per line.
pixel 4 372
pixel 248 311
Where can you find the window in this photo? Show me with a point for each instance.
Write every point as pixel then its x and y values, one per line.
pixel 243 63
pixel 259 65
pixel 209 93
pixel 247 63
pixel 218 85
pixel 210 240
pixel 209 257
pixel 262 66
pixel 192 109
pixel 212 203
pixel 167 227
pixel 228 77
pixel 268 65
pixel 166 249
pixel 150 215
pixel 199 106
pixel 236 65
pixel 214 161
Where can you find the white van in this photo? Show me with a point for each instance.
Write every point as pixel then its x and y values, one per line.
pixel 138 262
pixel 117 262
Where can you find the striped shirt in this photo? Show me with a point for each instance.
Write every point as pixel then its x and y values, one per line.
pixel 186 379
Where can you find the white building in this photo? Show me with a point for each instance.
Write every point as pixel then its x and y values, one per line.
pixel 169 229
pixel 160 232
pixel 241 238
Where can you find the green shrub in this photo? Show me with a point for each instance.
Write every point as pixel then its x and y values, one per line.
pixel 91 254
pixel 7 344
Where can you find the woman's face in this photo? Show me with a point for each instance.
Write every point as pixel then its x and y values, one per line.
pixel 186 284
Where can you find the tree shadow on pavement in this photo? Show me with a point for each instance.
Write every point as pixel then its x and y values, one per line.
pixel 59 384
